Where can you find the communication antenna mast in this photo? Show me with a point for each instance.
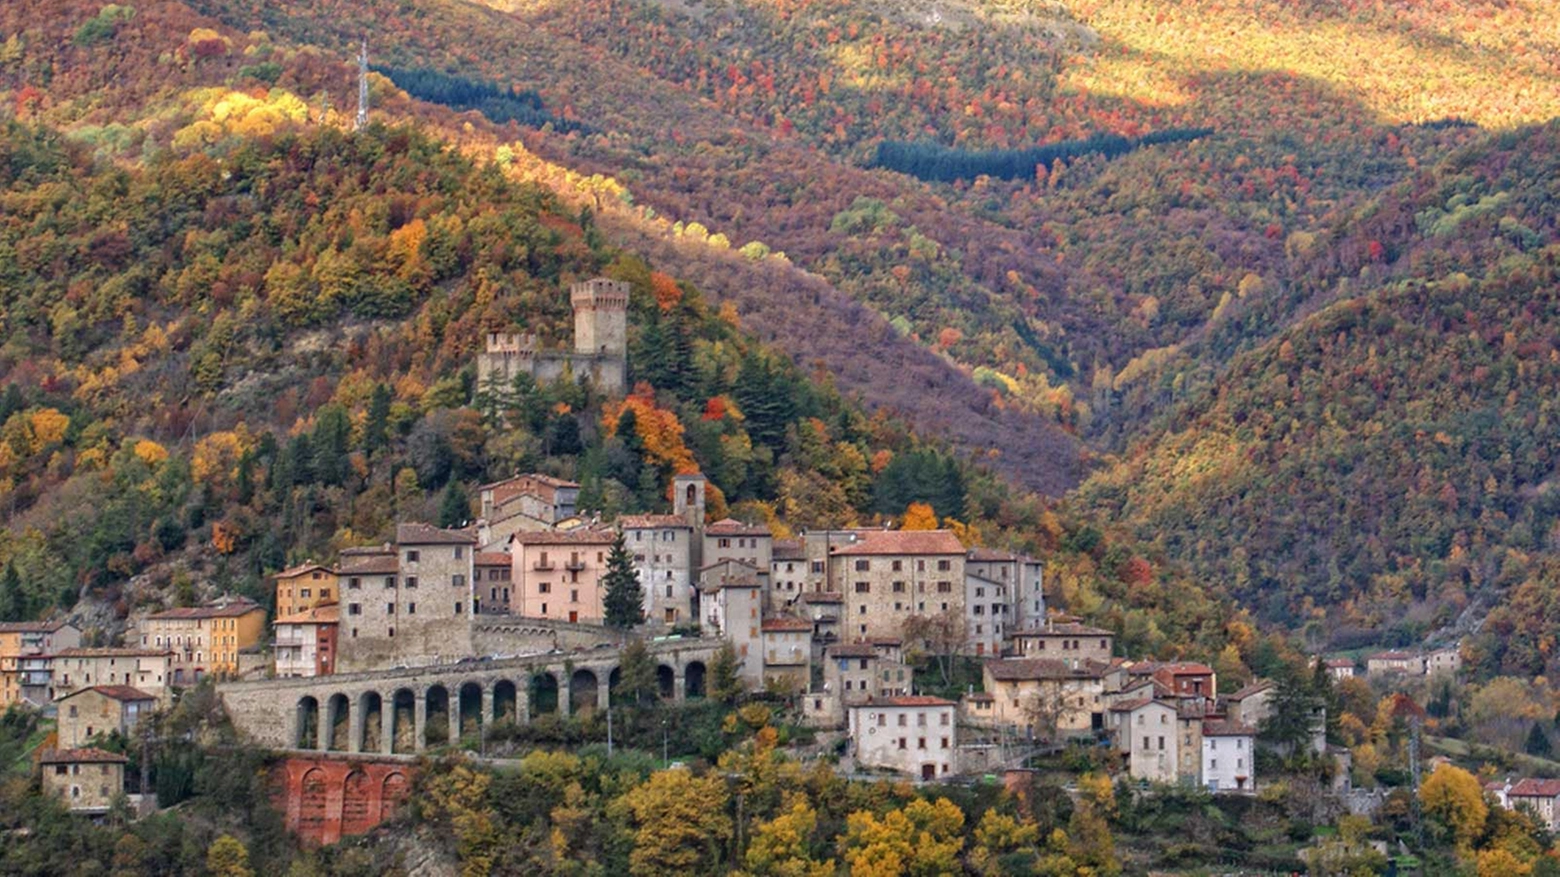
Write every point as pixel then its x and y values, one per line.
pixel 362 111
pixel 1413 767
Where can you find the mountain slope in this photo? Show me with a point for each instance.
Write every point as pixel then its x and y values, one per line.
pixel 1390 455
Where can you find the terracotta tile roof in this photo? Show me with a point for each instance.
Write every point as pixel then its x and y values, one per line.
pixel 493 558
pixel 31 626
pixel 886 641
pixel 370 565
pixel 112 653
pixel 325 613
pixel 825 597
pixel 1220 728
pixel 1392 656
pixel 115 692
pixel 788 549
pixel 1183 668
pixel 653 522
pixel 538 478
pixel 1254 688
pixel 980 696
pixel 234 609
pixel 991 555
pixel 1071 628
pixel 907 700
pixel 729 562
pixel 734 527
pixel 852 650
pixel 785 625
pixel 427 534
pixel 1535 788
pixel 894 542
pixel 300 569
pixel 81 756
pixel 1128 706
pixel 1340 662
pixel 567 537
pixel 1021 669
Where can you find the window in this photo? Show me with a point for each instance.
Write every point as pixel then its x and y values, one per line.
pixel 1161 744
pixel 817 566
pixel 354 608
pixel 574 595
pixel 898 565
pixel 304 593
pixel 882 719
pixel 944 565
pixel 944 722
pixel 324 593
pixel 389 581
pixel 901 743
pixel 863 587
pixel 412 556
pixel 460 552
pixel 460 607
pixel 904 720
pixel 389 608
pixel 544 588
pixel 944 587
pixel 920 742
pixel 1213 764
pixel 392 633
pixel 411 608
pixel 945 742
pixel 411 581
pixel 458 580
pixel 861 566
pixel 899 587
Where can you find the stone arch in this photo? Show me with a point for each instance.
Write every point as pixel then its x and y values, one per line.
pixel 614 679
pixel 312 804
pixel 393 792
pixel 357 803
pixel 338 723
pixel 403 718
pixel 693 680
pixel 544 693
pixel 308 725
pixel 436 716
pixel 371 717
pixel 469 709
pixel 666 682
pixel 583 686
pixel 505 701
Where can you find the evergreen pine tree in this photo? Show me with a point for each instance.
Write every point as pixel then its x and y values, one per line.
pixel 725 680
pixel 624 602
pixel 376 431
pixel 1538 742
pixel 13 603
pixel 454 508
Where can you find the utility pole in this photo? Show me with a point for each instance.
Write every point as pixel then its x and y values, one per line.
pixel 362 111
pixel 609 731
pixel 1413 768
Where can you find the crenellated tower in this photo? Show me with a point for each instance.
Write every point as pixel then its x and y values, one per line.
pixel 600 317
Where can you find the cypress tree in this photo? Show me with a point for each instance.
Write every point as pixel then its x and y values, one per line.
pixel 376 431
pixel 1538 742
pixel 624 602
pixel 455 508
pixel 13 603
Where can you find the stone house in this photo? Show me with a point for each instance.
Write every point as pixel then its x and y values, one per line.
pixel 1146 733
pixel 1251 705
pixel 19 639
pixel 890 576
pixel 987 610
pixel 735 611
pixel 1541 797
pixel 306 643
pixel 87 780
pixel 146 669
pixel 1181 678
pixel 1039 694
pixel 1066 641
pixel 101 709
pixel 824 611
pixel 730 539
pixel 407 603
pixel 1340 668
pixel 787 571
pixel 1025 580
pixel 1446 660
pixel 493 575
pixel 558 575
pixel 542 498
pixel 305 586
pixel 37 679
pixel 368 576
pixel 913 734
pixel 1229 756
pixel 663 550
pixel 1407 663
pixel 787 653
pixel 205 640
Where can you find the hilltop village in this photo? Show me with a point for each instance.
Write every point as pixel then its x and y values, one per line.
pixel 899 651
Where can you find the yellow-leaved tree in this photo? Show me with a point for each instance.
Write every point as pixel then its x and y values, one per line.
pixel 782 847
pixel 1455 800
pixel 682 824
pixel 921 840
pixel 919 516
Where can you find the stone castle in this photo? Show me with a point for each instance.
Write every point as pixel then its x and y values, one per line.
pixel 600 344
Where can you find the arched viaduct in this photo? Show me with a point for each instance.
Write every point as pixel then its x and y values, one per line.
pixel 407 710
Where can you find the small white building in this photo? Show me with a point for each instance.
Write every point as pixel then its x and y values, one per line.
pixel 1229 757
pixel 662 547
pixel 915 735
pixel 1340 668
pixel 1447 660
pixel 1541 797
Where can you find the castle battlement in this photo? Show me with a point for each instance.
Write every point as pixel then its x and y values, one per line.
pixel 600 343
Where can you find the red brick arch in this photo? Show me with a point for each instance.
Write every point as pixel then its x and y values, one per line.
pixel 327 798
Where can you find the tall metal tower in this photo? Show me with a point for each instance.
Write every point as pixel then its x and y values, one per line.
pixel 362 112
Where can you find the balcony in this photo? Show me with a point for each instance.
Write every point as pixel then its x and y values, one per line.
pixel 544 566
pixel 574 565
